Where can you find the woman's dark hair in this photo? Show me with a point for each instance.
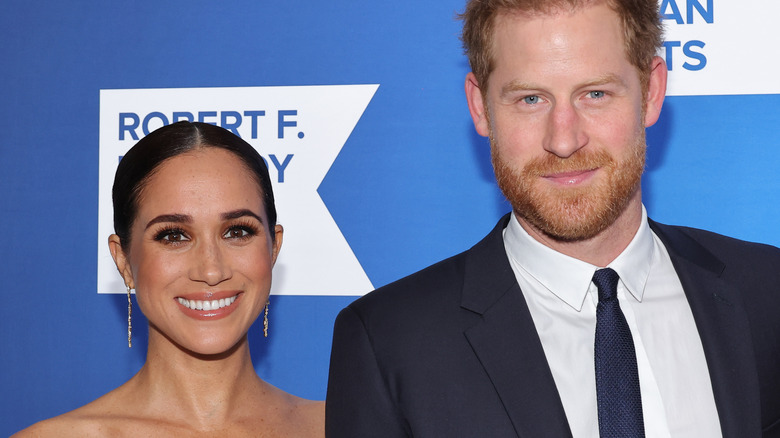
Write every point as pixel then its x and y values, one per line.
pixel 143 160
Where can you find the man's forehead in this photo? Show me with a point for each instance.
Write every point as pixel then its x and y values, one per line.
pixel 508 18
pixel 538 43
pixel 505 23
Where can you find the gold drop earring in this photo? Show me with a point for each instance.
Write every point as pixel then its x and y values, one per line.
pixel 129 320
pixel 265 320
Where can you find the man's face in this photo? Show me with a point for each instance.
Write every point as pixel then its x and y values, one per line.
pixel 565 113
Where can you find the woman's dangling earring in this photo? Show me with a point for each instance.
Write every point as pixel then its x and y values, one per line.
pixel 265 320
pixel 129 320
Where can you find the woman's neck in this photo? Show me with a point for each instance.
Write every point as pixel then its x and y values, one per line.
pixel 203 391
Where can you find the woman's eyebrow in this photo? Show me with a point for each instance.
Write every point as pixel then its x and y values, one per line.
pixel 235 214
pixel 178 218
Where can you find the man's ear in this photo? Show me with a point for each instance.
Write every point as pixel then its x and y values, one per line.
pixel 120 260
pixel 656 91
pixel 477 106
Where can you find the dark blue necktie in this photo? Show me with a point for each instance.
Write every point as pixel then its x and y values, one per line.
pixel 617 379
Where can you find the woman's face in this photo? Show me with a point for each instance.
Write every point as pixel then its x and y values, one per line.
pixel 201 253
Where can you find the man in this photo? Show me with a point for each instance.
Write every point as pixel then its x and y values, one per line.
pixel 525 334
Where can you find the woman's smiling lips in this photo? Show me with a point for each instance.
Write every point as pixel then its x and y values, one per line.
pixel 209 306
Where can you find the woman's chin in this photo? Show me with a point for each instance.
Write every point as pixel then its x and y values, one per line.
pixel 210 345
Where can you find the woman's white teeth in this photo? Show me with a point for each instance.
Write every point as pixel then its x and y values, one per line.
pixel 207 305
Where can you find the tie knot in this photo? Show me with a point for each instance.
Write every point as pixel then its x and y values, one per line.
pixel 606 281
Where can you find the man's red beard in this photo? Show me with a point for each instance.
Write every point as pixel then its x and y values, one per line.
pixel 572 213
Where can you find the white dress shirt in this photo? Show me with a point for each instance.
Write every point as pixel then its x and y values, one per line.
pixel 677 399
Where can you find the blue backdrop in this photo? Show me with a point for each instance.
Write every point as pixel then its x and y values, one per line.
pixel 412 185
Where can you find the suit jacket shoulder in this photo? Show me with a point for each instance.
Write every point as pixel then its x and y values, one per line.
pixel 476 278
pixel 752 270
pixel 448 351
pixel 686 240
pixel 733 287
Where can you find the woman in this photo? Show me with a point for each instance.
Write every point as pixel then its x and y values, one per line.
pixel 196 237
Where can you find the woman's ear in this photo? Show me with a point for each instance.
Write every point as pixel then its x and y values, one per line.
pixel 120 260
pixel 277 244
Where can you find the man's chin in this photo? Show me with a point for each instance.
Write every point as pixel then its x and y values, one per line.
pixel 566 224
pixel 572 214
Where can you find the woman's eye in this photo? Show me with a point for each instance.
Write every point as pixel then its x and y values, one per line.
pixel 171 236
pixel 238 233
pixel 531 100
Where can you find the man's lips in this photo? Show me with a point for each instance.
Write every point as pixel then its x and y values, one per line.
pixel 573 177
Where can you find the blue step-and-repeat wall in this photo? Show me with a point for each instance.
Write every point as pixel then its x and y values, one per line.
pixel 358 109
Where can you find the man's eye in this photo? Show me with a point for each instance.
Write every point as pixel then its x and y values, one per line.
pixel 531 100
pixel 598 94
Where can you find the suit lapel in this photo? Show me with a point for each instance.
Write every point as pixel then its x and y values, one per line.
pixel 723 329
pixel 507 344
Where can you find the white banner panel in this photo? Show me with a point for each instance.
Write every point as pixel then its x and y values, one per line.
pixel 719 47
pixel 299 131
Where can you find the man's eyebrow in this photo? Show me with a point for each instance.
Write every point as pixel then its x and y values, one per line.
pixel 235 214
pixel 604 80
pixel 515 86
pixel 178 218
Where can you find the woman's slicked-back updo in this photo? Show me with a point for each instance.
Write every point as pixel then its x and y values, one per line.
pixel 143 159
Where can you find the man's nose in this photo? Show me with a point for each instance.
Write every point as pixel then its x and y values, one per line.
pixel 565 135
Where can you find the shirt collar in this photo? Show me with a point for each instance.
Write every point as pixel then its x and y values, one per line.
pixel 568 278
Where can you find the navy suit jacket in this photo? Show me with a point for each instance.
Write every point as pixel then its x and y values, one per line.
pixel 452 351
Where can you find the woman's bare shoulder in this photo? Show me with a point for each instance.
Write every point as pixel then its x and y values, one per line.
pixel 316 412
pixel 96 419
pixel 105 417
pixel 71 424
pixel 285 414
pixel 309 417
